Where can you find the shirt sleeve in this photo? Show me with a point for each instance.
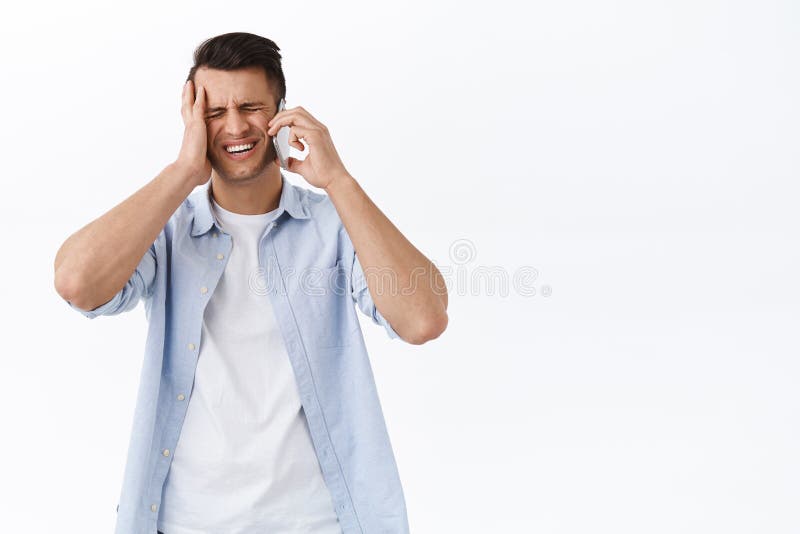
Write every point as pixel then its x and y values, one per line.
pixel 363 298
pixel 139 285
pixel 360 290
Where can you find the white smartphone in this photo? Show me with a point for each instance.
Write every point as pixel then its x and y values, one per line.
pixel 281 140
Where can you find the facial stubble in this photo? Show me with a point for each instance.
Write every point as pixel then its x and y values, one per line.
pixel 268 157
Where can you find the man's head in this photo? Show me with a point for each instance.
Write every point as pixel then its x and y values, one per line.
pixel 244 83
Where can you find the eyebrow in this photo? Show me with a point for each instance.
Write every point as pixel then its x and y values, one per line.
pixel 242 105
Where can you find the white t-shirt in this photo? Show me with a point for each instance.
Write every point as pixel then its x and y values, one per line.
pixel 244 462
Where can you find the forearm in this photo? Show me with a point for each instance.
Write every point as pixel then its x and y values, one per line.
pixel 95 262
pixel 417 304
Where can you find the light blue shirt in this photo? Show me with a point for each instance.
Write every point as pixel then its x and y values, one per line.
pixel 312 277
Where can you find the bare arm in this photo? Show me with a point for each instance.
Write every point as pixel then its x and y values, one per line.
pixel 95 262
pixel 418 312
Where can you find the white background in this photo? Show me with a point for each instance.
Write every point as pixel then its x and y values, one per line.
pixel 641 156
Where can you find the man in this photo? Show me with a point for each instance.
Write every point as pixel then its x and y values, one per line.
pixel 257 410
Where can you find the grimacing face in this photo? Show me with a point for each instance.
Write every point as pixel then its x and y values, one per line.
pixel 239 104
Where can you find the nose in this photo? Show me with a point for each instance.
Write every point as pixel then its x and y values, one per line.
pixel 235 123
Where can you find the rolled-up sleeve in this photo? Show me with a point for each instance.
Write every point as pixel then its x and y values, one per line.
pixel 363 298
pixel 359 289
pixel 138 286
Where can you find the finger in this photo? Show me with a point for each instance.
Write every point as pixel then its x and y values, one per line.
pixel 294 140
pixel 295 165
pixel 304 118
pixel 308 119
pixel 279 115
pixel 186 104
pixel 291 118
pixel 297 132
pixel 199 107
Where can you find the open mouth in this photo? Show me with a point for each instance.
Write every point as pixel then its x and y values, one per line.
pixel 241 151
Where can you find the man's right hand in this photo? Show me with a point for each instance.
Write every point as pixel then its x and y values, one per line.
pixel 96 262
pixel 193 157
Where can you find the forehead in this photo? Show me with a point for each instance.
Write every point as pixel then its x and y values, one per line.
pixel 231 86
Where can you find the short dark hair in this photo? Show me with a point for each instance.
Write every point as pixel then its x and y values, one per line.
pixel 239 50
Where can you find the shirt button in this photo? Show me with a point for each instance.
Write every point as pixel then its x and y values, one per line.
pixel 220 256
pixel 215 234
pixel 153 507
pixel 191 346
pixel 166 452
pixel 204 290
pixel 181 397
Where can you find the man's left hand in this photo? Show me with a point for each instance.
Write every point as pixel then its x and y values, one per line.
pixel 322 163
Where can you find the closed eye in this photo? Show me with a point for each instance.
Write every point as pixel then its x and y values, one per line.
pixel 219 113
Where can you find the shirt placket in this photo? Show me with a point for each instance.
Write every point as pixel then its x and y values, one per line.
pixel 298 357
pixel 207 279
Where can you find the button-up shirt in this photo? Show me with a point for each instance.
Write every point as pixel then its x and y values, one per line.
pixel 314 281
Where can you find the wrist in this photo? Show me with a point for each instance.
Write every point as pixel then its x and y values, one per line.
pixel 184 174
pixel 339 182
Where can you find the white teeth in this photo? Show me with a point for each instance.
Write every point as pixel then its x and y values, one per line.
pixel 238 148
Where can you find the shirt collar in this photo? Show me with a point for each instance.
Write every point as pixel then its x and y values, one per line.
pixel 292 201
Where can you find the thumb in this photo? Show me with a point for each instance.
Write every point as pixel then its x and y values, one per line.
pixel 294 165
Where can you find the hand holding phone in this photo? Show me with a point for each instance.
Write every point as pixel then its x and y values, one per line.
pixel 281 140
pixel 322 163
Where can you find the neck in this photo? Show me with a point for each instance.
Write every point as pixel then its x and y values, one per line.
pixel 248 197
